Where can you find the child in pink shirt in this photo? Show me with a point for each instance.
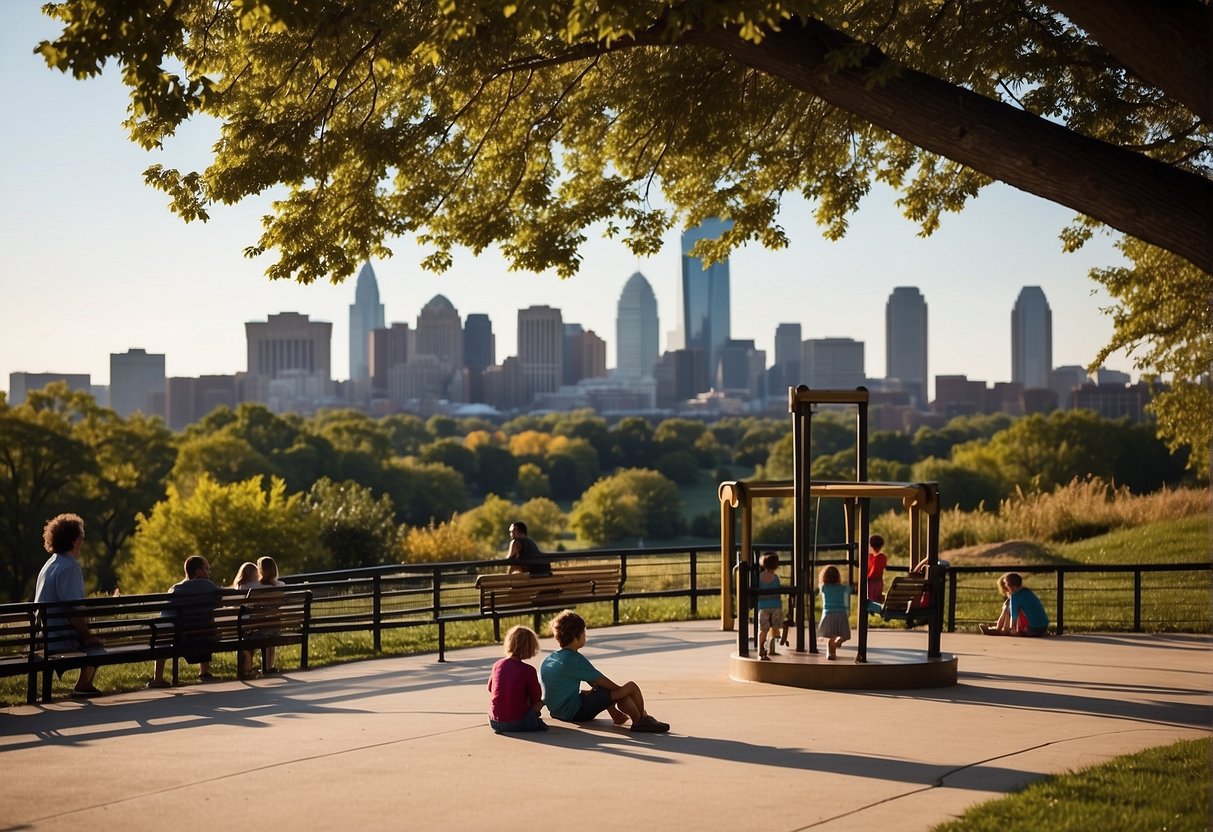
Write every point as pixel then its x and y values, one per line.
pixel 515 698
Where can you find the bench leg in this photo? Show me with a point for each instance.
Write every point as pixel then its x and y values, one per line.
pixel 442 641
pixel 46 686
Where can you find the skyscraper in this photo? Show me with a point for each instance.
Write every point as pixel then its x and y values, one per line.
pixel 705 296
pixel 479 352
pixel 1031 338
pixel 788 355
pixel 366 314
pixel 440 336
pixel 540 349
pixel 636 329
pixel 137 383
pixel 905 317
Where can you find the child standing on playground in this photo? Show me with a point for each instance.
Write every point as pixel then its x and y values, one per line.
pixel 835 625
pixel 877 561
pixel 515 699
pixel 770 605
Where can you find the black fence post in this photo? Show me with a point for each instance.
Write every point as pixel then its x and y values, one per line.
pixel 1061 601
pixel 952 576
pixel 694 583
pixel 1137 600
pixel 377 612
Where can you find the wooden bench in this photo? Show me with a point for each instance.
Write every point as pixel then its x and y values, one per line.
pixel 903 601
pixel 522 594
pixel 140 628
pixel 19 654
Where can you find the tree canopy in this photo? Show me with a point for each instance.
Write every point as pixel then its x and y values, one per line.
pixel 482 122
pixel 524 125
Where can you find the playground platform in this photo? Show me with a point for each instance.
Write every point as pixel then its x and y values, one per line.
pixel 401 743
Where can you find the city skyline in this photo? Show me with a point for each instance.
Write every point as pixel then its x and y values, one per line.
pixel 83 234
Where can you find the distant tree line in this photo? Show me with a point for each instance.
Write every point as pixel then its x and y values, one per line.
pixel 341 489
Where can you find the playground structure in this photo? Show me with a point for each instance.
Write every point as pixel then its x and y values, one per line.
pixel 876 669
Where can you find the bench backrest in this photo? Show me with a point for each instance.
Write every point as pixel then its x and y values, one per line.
pixel 18 636
pixel 570 584
pixel 905 594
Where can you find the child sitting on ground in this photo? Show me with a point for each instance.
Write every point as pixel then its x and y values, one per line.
pixel 835 625
pixel 564 670
pixel 515 698
pixel 1023 614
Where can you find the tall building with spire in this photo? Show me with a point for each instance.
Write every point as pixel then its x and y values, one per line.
pixel 704 295
pixel 636 329
pixel 905 317
pixel 1031 339
pixel 366 315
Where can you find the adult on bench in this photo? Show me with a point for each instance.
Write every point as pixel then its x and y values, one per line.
pixel 525 554
pixel 193 606
pixel 62 580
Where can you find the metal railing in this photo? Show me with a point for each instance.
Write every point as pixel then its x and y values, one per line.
pixel 1155 597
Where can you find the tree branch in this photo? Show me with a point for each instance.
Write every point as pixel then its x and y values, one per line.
pixel 1147 199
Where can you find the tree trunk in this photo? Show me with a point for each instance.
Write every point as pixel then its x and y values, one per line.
pixel 1146 199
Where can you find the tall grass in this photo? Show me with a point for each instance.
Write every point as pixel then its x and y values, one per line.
pixel 1080 510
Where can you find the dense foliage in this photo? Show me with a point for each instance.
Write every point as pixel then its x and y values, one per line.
pixel 343 490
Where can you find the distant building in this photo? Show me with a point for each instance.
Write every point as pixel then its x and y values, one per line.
pixel 190 399
pixel 906 342
pixel 789 349
pixel 20 385
pixel 1063 381
pixel 504 385
pixel 680 375
pixel 704 293
pixel 636 329
pixel 366 315
pixel 137 383
pixel 957 396
pixel 741 369
pixel 389 348
pixel 1031 338
pixel 540 350
pixel 292 355
pixel 1111 378
pixel 584 354
pixel 479 352
pixel 440 335
pixel 833 363
pixel 1114 401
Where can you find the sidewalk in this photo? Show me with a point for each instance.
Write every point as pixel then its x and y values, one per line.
pixel 402 743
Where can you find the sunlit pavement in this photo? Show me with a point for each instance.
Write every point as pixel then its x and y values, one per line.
pixel 401 743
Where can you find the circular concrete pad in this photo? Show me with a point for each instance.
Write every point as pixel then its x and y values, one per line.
pixel 886 669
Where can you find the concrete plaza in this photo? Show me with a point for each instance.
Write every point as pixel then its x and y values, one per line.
pixel 401 743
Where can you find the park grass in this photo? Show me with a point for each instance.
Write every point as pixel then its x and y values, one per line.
pixel 1100 602
pixel 1160 788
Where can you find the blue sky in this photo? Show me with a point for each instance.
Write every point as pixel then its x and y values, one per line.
pixel 93 263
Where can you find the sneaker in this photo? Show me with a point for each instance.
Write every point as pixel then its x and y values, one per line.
pixel 157 683
pixel 86 693
pixel 649 725
pixel 764 657
pixel 270 670
pixel 985 629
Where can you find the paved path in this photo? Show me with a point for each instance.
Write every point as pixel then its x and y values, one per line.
pixel 401 743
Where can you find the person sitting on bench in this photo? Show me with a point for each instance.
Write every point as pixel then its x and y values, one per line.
pixel 525 554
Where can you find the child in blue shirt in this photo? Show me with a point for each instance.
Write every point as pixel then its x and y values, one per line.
pixel 564 670
pixel 835 624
